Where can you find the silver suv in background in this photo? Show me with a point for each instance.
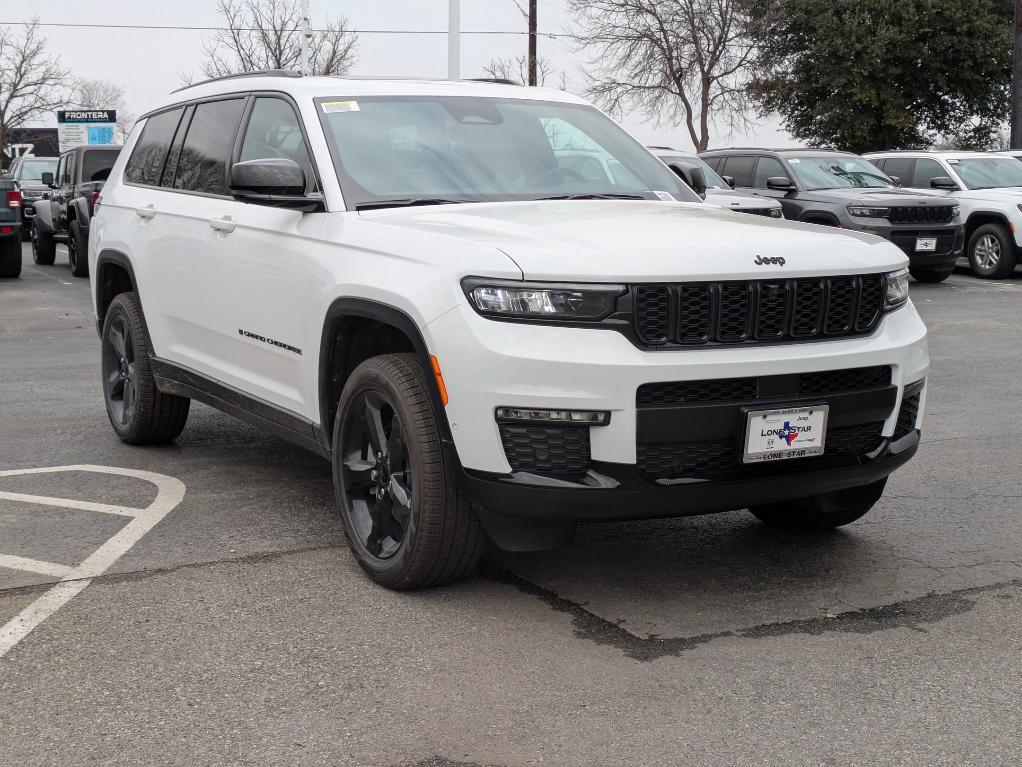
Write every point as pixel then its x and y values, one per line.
pixel 719 191
pixel 987 186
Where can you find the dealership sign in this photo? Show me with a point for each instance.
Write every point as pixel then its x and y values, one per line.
pixel 86 126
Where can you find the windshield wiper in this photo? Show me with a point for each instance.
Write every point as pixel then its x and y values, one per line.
pixel 407 202
pixel 838 171
pixel 593 197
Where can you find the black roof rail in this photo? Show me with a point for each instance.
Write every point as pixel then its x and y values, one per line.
pixel 256 73
pixel 667 148
pixel 496 80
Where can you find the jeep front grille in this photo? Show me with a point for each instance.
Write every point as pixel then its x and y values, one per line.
pixel 920 214
pixel 757 311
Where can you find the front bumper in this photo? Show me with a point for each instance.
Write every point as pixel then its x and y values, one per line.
pixel 950 240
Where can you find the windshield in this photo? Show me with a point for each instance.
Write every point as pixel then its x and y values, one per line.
pixel 988 172
pixel 436 149
pixel 838 172
pixel 33 170
pixel 713 181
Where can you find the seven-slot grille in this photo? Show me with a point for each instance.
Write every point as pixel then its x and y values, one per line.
pixel 920 214
pixel 695 313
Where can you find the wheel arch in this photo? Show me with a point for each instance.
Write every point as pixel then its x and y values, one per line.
pixel 388 330
pixel 978 218
pixel 819 217
pixel 114 275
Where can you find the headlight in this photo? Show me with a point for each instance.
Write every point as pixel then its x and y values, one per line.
pixel 776 213
pixel 955 211
pixel 897 288
pixel 539 301
pixel 864 211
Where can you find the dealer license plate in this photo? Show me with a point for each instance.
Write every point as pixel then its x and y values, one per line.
pixel 926 244
pixel 776 435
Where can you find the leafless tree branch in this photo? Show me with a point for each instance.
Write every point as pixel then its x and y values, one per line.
pixel 32 83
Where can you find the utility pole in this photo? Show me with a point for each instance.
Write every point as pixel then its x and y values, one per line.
pixel 454 40
pixel 1016 81
pixel 532 40
pixel 307 39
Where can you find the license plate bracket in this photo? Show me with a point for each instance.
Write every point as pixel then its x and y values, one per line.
pixel 785 433
pixel 926 244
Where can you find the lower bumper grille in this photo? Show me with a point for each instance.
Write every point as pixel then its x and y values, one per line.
pixel 907 415
pixel 549 450
pixel 907 241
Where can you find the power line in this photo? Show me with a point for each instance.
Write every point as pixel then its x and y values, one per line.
pixel 185 28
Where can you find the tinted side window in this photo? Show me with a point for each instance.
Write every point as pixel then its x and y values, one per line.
pixel 713 162
pixel 768 167
pixel 96 165
pixel 926 170
pixel 739 168
pixel 207 149
pixel 900 167
pixel 274 131
pixel 146 161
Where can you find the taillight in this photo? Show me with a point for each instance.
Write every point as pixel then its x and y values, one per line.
pixel 96 199
pixel 14 199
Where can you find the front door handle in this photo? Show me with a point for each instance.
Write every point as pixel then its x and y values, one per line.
pixel 225 224
pixel 147 213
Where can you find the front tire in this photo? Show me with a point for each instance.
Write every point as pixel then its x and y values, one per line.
pixel 992 252
pixel 931 273
pixel 139 412
pixel 44 248
pixel 406 521
pixel 10 257
pixel 821 512
pixel 77 251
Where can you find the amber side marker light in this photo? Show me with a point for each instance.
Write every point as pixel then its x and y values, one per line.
pixel 439 379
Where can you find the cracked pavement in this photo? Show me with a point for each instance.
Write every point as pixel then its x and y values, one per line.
pixel 239 630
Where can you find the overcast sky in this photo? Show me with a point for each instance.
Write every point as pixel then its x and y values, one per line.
pixel 149 63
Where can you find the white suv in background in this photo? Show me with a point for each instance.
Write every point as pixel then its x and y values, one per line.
pixel 400 277
pixel 987 185
pixel 718 190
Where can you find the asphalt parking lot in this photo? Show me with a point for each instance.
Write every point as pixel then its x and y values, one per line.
pixel 237 629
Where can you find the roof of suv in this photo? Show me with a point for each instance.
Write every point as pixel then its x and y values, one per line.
pixel 944 155
pixel 784 150
pixel 302 88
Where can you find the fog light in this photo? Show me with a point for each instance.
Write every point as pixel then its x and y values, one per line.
pixel 591 417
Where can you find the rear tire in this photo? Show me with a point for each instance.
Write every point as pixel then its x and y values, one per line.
pixel 992 252
pixel 77 251
pixel 931 273
pixel 407 523
pixel 139 412
pixel 44 249
pixel 821 512
pixel 10 257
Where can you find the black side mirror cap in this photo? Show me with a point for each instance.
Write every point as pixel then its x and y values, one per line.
pixel 729 180
pixel 782 183
pixel 274 181
pixel 47 179
pixel 694 178
pixel 943 182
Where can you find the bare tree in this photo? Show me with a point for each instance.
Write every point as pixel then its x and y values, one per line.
pixel 32 83
pixel 266 34
pixel 517 69
pixel 677 61
pixel 103 94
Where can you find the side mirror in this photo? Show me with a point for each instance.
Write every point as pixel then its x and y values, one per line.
pixel 729 180
pixel 944 182
pixel 274 181
pixel 896 180
pixel 694 178
pixel 781 183
pixel 47 179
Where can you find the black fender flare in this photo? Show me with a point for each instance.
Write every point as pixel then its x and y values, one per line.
pixel 390 315
pixel 43 216
pixel 80 208
pixel 104 261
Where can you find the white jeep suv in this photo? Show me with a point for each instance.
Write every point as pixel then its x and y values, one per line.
pixel 987 186
pixel 400 277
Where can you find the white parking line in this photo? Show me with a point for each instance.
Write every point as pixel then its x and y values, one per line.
pixel 169 493
pixel 12 562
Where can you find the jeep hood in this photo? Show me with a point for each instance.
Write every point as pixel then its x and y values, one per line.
pixel 858 196
pixel 736 201
pixel 632 240
pixel 1011 195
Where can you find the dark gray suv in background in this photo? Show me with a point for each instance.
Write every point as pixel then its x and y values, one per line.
pixel 821 186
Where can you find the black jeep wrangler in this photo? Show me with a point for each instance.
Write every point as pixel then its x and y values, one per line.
pixel 65 215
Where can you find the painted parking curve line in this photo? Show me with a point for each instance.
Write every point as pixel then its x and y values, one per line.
pixel 73 580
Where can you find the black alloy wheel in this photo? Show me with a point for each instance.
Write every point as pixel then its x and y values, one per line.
pixel 377 475
pixel 120 378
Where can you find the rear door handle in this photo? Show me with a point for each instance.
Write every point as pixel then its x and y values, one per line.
pixel 146 213
pixel 225 224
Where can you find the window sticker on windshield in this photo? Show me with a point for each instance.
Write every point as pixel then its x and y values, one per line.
pixel 330 107
pixel 952 161
pixel 793 160
pixel 666 196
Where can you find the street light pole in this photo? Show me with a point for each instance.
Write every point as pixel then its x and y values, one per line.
pixel 532 42
pixel 454 40
pixel 306 39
